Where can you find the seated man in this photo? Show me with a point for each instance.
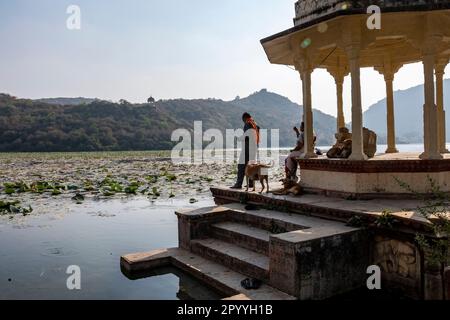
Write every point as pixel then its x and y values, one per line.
pixel 343 146
pixel 298 152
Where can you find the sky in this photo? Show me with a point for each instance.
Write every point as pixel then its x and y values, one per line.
pixel 164 48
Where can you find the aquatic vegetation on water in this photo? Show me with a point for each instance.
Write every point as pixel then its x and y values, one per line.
pixel 152 179
pixel 19 187
pixel 13 207
pixel 132 188
pixel 78 198
pixel 155 192
pixel 170 177
pixel 53 176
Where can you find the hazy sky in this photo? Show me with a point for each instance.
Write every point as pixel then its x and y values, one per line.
pixel 166 48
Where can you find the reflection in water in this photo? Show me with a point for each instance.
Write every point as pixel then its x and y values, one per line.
pixel 189 288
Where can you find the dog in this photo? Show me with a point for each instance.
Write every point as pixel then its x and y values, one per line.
pixel 289 187
pixel 255 172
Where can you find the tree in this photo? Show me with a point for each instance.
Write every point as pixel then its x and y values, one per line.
pixel 151 100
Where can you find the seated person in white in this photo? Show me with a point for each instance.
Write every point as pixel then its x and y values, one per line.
pixel 298 152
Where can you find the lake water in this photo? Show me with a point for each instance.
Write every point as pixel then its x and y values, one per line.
pixel 36 251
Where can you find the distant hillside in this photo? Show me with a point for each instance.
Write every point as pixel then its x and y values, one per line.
pixel 408 114
pixel 92 125
pixel 84 124
pixel 66 101
pixel 275 111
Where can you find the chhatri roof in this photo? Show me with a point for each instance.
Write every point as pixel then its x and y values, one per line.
pixel 325 28
pixel 312 12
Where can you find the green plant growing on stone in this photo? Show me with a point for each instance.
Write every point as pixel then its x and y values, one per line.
pixel 386 220
pixel 436 210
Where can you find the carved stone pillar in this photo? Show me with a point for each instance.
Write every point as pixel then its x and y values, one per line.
pixel 431 140
pixel 353 53
pixel 440 71
pixel 339 74
pixel 388 70
pixel 305 69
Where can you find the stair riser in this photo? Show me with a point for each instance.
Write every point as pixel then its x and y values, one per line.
pixel 230 262
pixel 241 240
pixel 265 223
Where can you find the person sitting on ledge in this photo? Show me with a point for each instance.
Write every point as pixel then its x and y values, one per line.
pixel 298 152
pixel 343 146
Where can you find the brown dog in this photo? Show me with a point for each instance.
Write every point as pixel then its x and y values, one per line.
pixel 289 187
pixel 255 172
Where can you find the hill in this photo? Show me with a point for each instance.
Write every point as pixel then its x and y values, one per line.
pixel 408 114
pixel 93 125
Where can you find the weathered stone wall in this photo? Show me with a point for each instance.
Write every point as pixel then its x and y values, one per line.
pixel 321 267
pixel 400 263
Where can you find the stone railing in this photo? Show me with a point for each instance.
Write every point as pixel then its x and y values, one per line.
pixel 311 10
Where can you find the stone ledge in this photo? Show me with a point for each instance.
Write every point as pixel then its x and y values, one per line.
pixel 303 236
pixel 202 213
pixel 146 260
pixel 375 166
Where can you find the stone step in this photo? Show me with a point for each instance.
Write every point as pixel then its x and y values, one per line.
pixel 275 222
pixel 247 262
pixel 213 274
pixel 243 236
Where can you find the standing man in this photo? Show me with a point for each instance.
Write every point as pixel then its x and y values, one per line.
pixel 250 142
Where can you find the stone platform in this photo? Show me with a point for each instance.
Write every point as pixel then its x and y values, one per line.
pixel 305 247
pixel 224 245
pixel 385 176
